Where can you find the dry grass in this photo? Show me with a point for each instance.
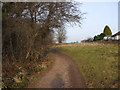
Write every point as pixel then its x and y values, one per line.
pixel 84 44
pixel 19 74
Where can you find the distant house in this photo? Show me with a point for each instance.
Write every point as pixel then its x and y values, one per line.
pixel 107 37
pixel 112 37
pixel 116 36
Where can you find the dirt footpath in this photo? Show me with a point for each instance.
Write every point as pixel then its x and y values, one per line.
pixel 63 74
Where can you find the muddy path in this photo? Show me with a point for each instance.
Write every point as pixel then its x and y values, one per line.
pixel 63 74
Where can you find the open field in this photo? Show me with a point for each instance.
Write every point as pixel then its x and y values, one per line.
pixel 98 63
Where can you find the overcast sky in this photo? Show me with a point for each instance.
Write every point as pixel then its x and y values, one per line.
pixel 98 15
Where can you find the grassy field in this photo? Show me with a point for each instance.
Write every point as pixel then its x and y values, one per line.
pixel 97 63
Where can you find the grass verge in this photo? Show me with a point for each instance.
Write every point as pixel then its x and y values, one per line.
pixel 98 64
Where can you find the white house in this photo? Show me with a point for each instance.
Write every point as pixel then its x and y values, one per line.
pixel 112 37
pixel 116 36
pixel 107 37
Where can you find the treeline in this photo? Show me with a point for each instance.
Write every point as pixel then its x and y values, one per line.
pixel 106 31
pixel 28 27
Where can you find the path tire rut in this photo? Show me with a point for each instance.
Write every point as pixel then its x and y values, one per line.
pixel 63 74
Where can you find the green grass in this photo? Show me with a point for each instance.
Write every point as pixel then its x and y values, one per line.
pixel 97 64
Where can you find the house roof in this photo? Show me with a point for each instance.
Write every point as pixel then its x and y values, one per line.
pixel 108 35
pixel 118 33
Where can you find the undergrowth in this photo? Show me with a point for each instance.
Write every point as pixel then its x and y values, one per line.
pixel 19 74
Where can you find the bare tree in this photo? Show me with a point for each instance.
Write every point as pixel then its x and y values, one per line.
pixel 60 35
pixel 27 26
